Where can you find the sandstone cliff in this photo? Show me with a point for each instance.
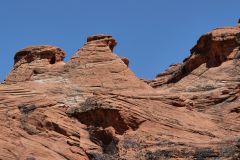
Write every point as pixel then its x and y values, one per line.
pixel 94 107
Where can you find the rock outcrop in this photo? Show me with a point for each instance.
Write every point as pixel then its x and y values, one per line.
pixel 212 49
pixel 94 107
pixel 33 60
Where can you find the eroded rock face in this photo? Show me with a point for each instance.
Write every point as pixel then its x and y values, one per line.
pixel 94 107
pixel 97 68
pixel 34 60
pixel 104 39
pixel 212 49
pixel 34 53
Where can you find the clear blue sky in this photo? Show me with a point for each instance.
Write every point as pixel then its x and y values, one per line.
pixel 151 33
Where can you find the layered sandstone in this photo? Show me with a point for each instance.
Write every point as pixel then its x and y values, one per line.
pixel 94 107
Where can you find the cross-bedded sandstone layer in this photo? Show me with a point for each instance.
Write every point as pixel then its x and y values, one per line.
pixel 94 107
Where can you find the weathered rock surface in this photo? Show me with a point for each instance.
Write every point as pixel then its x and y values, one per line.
pixel 94 107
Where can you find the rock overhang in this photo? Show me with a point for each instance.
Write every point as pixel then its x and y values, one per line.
pixel 218 35
pixel 51 53
pixel 214 48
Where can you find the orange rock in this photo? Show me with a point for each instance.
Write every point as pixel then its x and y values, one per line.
pixel 94 107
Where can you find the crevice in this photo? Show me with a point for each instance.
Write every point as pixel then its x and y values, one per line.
pixel 235 110
pixel 53 60
pixel 105 138
pixel 55 127
pixel 25 110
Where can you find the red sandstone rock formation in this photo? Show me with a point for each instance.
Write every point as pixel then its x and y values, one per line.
pixel 94 107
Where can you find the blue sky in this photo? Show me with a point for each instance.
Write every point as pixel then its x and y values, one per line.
pixel 152 33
